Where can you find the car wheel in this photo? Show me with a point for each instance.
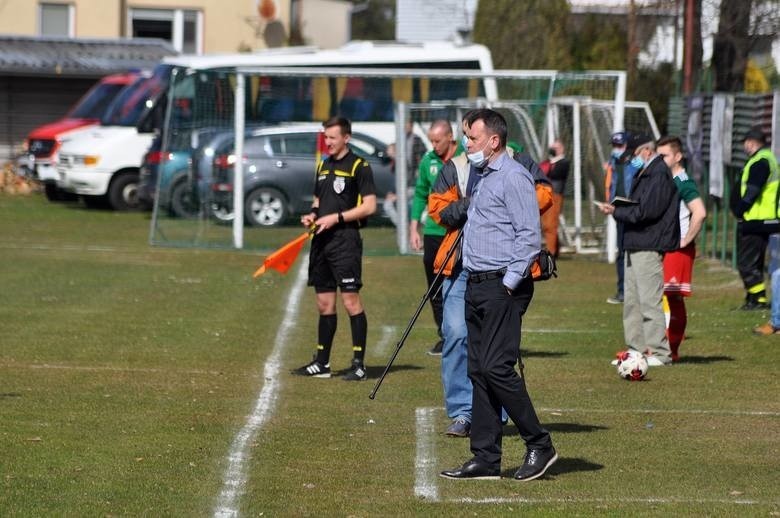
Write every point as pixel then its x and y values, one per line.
pixel 183 203
pixel 123 192
pixel 265 207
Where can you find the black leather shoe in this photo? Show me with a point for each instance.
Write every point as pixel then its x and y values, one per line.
pixel 473 470
pixel 536 463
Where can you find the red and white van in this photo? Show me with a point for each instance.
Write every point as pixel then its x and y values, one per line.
pixel 44 142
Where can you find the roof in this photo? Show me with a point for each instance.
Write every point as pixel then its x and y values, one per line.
pixel 58 56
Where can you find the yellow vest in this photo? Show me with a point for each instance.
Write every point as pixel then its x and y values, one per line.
pixel 765 206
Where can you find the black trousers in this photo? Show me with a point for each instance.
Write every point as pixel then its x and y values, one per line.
pixel 494 321
pixel 751 250
pixel 430 247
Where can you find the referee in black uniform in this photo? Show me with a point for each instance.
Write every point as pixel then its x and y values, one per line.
pixel 344 195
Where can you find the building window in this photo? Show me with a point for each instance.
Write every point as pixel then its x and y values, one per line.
pixel 181 27
pixel 56 20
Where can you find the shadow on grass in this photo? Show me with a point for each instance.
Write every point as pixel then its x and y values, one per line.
pixel 511 430
pixel 375 372
pixel 527 353
pixel 5 395
pixel 562 465
pixel 704 359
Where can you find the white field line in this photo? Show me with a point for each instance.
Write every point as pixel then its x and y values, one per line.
pixel 387 335
pixel 690 411
pixel 106 368
pixel 425 460
pixel 616 501
pixel 235 474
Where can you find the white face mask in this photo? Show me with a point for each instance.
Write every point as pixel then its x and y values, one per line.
pixel 478 159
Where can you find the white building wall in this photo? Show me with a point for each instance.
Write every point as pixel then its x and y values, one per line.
pixel 326 23
pixel 437 20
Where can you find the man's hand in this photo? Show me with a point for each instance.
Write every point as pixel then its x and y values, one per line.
pixel 327 221
pixel 415 240
pixel 308 219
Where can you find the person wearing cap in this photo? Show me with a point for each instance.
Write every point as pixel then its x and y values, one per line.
pixel 754 203
pixel 617 182
pixel 651 228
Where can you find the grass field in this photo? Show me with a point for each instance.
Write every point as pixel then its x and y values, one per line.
pixel 155 381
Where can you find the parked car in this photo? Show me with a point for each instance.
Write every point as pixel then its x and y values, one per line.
pixel 279 167
pixel 102 164
pixel 44 142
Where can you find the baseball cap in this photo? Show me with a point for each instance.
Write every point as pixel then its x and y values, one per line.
pixel 755 133
pixel 620 138
pixel 639 140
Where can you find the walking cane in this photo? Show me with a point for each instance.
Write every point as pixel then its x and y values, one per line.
pixel 417 313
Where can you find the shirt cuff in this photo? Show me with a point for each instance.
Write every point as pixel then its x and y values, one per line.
pixel 512 280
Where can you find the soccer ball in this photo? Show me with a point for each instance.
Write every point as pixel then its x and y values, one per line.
pixel 632 365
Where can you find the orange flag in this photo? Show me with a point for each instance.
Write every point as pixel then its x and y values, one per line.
pixel 283 259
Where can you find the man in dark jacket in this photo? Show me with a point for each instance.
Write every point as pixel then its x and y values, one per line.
pixel 651 228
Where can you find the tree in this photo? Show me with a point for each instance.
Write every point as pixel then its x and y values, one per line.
pixel 373 19
pixel 530 34
pixel 732 45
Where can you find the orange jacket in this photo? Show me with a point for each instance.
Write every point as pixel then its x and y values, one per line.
pixel 448 206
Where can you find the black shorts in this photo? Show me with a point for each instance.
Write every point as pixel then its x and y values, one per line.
pixel 335 261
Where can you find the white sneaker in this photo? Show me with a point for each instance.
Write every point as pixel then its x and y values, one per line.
pixel 652 361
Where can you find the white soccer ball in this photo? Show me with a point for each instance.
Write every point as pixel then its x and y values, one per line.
pixel 632 365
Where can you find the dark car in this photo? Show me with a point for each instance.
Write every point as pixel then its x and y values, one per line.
pixel 279 167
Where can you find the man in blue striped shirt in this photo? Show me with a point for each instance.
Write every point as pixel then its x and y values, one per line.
pixel 501 240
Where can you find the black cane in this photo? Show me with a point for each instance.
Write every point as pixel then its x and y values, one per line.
pixel 417 313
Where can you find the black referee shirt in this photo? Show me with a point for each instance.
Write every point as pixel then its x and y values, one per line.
pixel 341 184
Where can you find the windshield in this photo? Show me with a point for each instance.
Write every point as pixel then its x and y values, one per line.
pixel 94 103
pixel 136 99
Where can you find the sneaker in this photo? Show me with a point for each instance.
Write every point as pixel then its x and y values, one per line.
pixel 766 330
pixel 652 361
pixel 313 370
pixel 356 372
pixel 615 299
pixel 460 427
pixel 536 464
pixel 436 349
pixel 752 305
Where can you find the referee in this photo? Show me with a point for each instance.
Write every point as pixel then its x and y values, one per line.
pixel 344 194
pixel 501 240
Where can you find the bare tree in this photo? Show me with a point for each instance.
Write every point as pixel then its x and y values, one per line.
pixel 732 45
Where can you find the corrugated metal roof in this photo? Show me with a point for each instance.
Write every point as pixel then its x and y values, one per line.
pixel 49 56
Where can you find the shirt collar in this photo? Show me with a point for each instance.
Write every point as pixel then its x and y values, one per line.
pixel 496 164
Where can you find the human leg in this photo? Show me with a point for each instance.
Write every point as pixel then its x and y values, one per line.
pixel 632 315
pixel 751 250
pixel 454 359
pixel 648 269
pixel 773 326
pixel 430 247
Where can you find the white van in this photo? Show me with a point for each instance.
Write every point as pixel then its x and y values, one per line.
pixel 102 163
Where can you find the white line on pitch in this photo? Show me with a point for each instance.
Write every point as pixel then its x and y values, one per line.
pixel 384 341
pixel 694 411
pixel 425 467
pixel 235 474
pixel 617 501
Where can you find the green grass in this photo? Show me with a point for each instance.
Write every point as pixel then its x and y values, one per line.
pixel 126 372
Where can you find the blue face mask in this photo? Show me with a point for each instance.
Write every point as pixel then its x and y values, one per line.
pixel 464 140
pixel 637 162
pixel 616 153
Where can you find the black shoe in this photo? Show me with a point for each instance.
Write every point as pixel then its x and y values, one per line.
pixel 436 349
pixel 473 470
pixel 752 305
pixel 536 463
pixel 356 372
pixel 313 370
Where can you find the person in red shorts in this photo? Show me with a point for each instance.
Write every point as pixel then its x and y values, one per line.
pixel 678 265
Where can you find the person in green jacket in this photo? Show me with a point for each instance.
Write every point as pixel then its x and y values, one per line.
pixel 444 148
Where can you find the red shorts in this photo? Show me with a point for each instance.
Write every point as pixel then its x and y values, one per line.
pixel 678 271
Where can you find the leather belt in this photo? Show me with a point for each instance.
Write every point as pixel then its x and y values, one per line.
pixel 486 276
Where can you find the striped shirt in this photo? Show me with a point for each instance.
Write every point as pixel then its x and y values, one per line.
pixel 503 230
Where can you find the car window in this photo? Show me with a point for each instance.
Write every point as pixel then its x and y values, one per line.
pixel 362 147
pixel 302 145
pixel 275 146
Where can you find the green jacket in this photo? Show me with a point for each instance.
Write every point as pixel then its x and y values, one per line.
pixel 430 165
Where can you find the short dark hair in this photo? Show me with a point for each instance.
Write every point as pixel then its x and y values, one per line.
pixel 493 121
pixel 673 142
pixel 341 122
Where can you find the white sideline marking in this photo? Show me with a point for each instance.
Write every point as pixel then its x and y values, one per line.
pixel 628 500
pixel 235 474
pixel 425 479
pixel 692 411
pixel 384 341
